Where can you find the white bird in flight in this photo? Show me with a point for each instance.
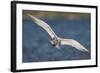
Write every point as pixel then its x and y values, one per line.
pixel 56 41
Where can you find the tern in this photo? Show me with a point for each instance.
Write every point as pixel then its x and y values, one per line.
pixel 56 41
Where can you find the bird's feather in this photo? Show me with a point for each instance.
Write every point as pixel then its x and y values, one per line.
pixel 44 25
pixel 74 44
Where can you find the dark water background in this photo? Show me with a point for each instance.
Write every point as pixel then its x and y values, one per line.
pixel 36 41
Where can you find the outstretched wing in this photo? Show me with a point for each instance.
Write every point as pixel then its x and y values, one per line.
pixel 44 25
pixel 74 44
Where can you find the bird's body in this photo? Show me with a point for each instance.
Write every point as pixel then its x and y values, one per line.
pixel 56 41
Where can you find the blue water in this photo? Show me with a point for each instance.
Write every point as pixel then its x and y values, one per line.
pixel 36 41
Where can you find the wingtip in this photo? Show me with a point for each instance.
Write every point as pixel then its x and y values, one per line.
pixel 33 17
pixel 27 14
pixel 85 50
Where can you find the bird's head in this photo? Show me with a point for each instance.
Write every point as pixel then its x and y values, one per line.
pixel 55 42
